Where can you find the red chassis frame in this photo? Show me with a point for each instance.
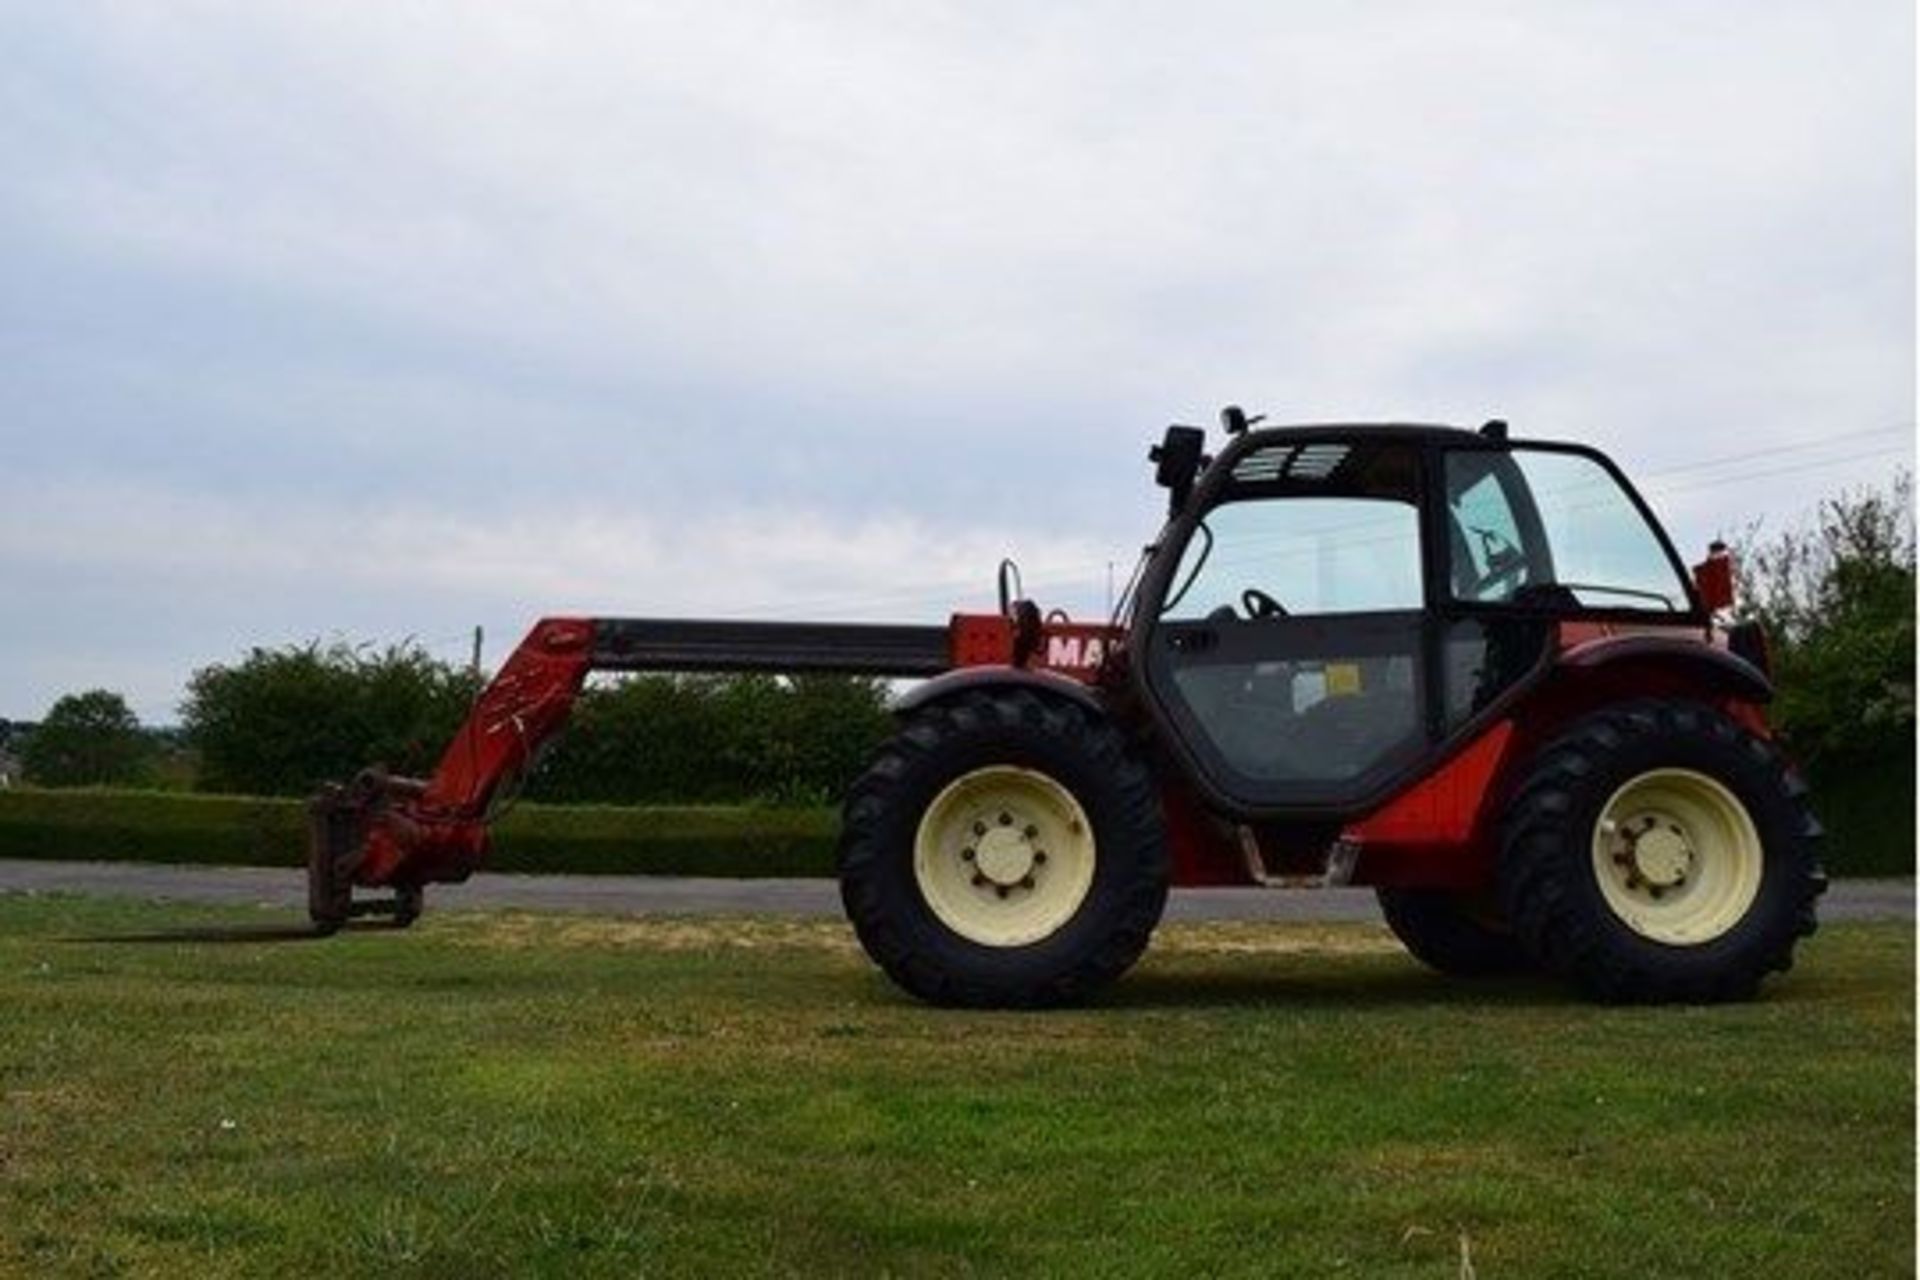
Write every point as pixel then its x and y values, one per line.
pixel 381 830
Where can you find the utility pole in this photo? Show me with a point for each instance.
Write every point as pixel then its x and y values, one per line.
pixel 479 634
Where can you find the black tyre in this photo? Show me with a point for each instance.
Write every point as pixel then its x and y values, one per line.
pixel 1659 851
pixel 1004 849
pixel 409 900
pixel 1452 932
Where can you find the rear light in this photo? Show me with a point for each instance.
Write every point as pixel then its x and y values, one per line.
pixel 1713 578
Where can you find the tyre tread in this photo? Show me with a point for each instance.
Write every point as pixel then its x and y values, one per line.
pixel 1539 850
pixel 1141 856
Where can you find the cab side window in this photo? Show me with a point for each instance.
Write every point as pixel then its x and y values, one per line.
pixel 1552 528
pixel 1487 558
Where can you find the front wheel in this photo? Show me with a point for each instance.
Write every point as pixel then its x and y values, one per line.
pixel 1005 849
pixel 1659 851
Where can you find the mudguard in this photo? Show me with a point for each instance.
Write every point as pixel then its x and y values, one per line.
pixel 1718 670
pixel 995 677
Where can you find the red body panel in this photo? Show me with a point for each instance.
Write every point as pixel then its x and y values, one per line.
pixel 1077 650
pixel 1436 831
pixel 1200 845
pixel 1427 834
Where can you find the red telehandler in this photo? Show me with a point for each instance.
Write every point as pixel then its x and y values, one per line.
pixel 1467 671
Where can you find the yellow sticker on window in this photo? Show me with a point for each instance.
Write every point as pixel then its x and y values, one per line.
pixel 1343 679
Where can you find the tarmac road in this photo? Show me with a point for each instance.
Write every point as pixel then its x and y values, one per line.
pixel 676 895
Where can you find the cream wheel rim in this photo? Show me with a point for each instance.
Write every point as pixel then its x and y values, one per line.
pixel 1004 856
pixel 1677 857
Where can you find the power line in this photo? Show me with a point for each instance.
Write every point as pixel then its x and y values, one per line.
pixel 1744 455
pixel 1805 465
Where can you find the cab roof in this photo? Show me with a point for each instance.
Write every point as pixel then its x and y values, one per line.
pixel 1371 432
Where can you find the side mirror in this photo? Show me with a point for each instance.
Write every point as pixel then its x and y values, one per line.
pixel 1177 460
pixel 1713 578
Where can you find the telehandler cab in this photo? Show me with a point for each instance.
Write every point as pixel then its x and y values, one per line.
pixel 1467 671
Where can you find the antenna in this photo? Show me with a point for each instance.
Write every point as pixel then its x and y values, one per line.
pixel 1235 421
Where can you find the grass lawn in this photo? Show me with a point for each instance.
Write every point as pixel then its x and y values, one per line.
pixel 510 1093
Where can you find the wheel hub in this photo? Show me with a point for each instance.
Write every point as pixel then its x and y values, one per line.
pixel 1655 851
pixel 1662 854
pixel 1005 856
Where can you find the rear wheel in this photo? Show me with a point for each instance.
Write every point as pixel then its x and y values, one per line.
pixel 1005 848
pixel 1659 851
pixel 1456 933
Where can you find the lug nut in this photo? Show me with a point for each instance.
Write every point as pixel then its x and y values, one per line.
pixel 1001 890
pixel 1039 856
pixel 966 855
pixel 979 828
pixel 978 879
pixel 1006 819
pixel 1026 882
pixel 1031 831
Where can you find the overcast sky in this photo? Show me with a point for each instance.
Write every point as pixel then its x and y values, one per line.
pixel 384 320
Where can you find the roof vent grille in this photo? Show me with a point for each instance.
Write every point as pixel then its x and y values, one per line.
pixel 1290 462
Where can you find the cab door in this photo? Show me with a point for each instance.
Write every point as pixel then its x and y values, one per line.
pixel 1289 649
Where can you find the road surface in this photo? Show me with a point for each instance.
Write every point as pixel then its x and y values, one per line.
pixel 677 895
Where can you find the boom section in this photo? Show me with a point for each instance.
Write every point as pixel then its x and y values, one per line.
pixel 784 648
pixel 383 830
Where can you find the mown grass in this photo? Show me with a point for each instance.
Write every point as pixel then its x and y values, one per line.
pixel 521 1094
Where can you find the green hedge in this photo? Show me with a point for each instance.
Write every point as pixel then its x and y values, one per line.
pixel 151 826
pixel 1867 812
pixel 1867 809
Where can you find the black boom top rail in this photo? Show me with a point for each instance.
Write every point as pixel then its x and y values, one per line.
pixel 847 648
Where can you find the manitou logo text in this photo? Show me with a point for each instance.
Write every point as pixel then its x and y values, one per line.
pixel 1071 653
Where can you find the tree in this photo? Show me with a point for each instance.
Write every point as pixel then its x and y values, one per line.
pixel 87 739
pixel 285 720
pixel 1837 600
pixel 714 739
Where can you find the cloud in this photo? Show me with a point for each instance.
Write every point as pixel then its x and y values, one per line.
pixel 766 285
pixel 190 579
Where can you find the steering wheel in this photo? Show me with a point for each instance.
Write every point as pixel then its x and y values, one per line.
pixel 1259 604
